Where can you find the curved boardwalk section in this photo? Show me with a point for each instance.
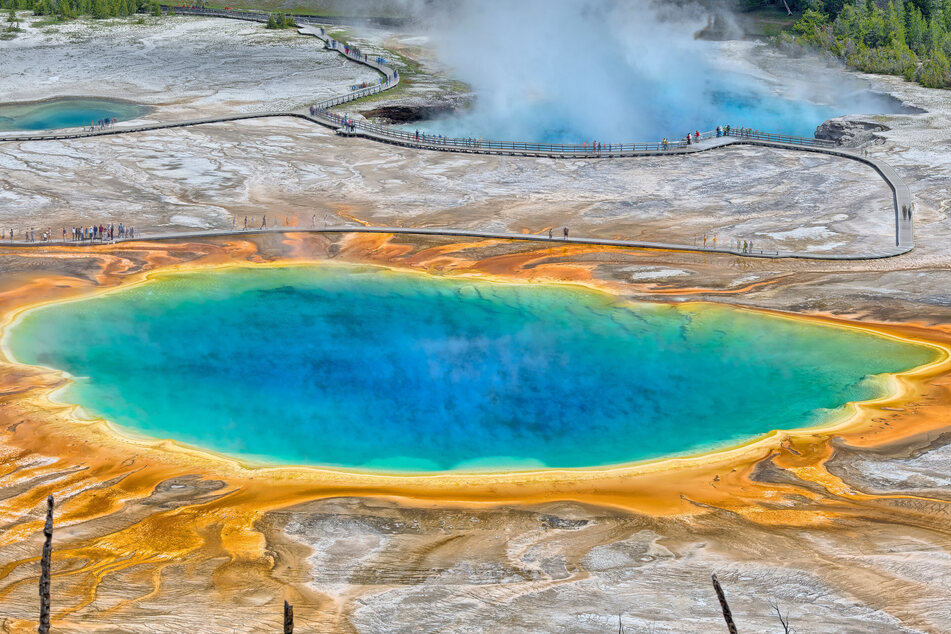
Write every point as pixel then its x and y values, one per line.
pixel 389 78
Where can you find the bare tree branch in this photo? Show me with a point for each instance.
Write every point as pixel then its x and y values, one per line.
pixel 784 619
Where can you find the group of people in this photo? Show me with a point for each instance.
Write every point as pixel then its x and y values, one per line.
pixel 102 124
pixel 90 233
pixel 695 137
pixel 743 246
pixel 250 222
pixel 98 232
pixel 445 140
pixel 250 225
pixel 28 235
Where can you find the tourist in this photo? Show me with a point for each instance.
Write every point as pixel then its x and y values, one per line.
pixel 688 138
pixel 264 223
pixel 697 139
pixel 566 233
pixel 719 132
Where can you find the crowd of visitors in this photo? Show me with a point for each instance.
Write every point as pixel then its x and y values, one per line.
pixel 102 124
pixel 100 232
pixel 91 233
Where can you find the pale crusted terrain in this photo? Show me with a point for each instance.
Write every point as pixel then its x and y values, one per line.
pixel 186 67
pixel 203 177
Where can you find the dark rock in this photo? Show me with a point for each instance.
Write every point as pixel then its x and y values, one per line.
pixel 407 113
pixel 851 132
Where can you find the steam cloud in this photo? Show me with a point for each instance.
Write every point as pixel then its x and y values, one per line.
pixel 612 71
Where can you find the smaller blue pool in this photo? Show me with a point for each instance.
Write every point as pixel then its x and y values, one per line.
pixel 66 112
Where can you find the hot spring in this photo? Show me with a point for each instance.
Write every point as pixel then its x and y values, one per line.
pixel 574 71
pixel 371 369
pixel 66 112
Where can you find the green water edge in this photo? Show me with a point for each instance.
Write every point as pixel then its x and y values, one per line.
pixel 65 112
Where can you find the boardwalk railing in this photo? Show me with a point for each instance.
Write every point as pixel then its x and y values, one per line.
pixel 391 78
pixel 320 113
pixel 424 139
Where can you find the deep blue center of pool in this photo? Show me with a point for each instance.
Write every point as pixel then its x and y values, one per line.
pixel 368 368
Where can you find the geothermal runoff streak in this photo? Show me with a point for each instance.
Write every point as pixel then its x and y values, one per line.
pixel 903 205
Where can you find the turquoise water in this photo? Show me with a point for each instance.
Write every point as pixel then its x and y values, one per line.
pixel 367 368
pixel 67 112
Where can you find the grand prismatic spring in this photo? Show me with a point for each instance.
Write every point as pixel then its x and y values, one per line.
pixel 365 368
pixel 271 361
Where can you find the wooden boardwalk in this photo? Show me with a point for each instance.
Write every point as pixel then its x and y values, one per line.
pixel 320 114
pixel 457 233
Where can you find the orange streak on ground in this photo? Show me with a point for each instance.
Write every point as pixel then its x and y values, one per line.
pixel 102 476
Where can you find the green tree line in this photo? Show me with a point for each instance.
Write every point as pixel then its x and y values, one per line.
pixel 911 38
pixel 279 21
pixel 69 9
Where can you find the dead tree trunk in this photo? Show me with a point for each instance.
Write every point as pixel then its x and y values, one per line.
pixel 288 618
pixel 45 563
pixel 727 615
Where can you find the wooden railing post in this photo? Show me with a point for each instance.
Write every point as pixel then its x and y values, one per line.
pixel 45 565
pixel 288 618
pixel 727 614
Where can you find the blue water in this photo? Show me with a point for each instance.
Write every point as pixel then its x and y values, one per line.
pixel 736 103
pixel 553 122
pixel 367 368
pixel 67 112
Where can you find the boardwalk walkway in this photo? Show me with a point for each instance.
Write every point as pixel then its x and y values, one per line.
pixel 320 114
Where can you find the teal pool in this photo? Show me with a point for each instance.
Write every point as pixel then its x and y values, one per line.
pixel 67 112
pixel 367 368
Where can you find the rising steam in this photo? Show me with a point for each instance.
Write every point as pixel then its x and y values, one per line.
pixel 608 70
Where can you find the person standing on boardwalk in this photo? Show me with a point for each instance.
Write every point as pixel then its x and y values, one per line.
pixel 566 233
pixel 264 222
pixel 549 233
